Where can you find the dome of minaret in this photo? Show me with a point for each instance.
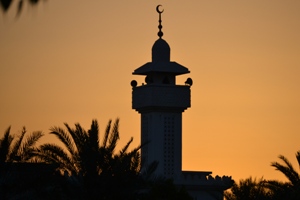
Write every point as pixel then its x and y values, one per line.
pixel 161 63
pixel 160 51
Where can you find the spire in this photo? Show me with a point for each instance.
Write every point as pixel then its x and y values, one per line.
pixel 160 33
pixel 161 51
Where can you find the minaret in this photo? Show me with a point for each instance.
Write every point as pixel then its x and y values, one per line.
pixel 160 101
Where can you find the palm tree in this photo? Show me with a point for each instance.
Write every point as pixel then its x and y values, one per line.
pixel 291 189
pixel 91 162
pixel 16 148
pixel 287 169
pixel 248 189
pixel 82 152
pixel 15 153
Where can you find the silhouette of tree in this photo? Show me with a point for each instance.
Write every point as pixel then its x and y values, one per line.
pixel 287 169
pixel 16 148
pixel 87 168
pixel 278 189
pixel 82 153
pixel 291 189
pixel 16 153
pixel 269 189
pixel 6 4
pixel 94 165
pixel 248 189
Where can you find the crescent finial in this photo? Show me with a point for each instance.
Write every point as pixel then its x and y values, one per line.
pixel 157 9
pixel 160 33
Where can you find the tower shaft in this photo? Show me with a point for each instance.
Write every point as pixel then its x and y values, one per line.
pixel 161 132
pixel 161 107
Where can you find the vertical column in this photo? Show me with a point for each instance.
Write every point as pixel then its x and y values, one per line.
pixel 144 139
pixel 169 146
pixel 172 144
pixel 162 133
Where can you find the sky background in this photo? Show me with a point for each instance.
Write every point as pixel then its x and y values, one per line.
pixel 71 61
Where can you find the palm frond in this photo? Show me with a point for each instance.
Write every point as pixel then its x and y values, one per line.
pixel 248 189
pixel 136 149
pixel 5 144
pixel 81 133
pixel 93 135
pixel 287 170
pixel 78 140
pixel 136 162
pixel 229 196
pixel 30 155
pixel 27 145
pixel 82 143
pixel 106 134
pixel 124 149
pixel 298 157
pixel 15 150
pixel 89 154
pixel 51 153
pixel 274 185
pixel 114 136
pixel 64 138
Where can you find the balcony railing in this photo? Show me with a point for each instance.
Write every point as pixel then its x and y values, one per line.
pixel 161 96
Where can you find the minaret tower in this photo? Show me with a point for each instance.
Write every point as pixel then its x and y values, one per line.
pixel 160 101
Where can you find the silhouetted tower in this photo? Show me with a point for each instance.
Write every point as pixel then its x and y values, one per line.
pixel 161 103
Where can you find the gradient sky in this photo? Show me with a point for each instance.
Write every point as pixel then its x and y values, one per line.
pixel 71 61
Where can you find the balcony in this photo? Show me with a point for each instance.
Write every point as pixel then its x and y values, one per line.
pixel 161 97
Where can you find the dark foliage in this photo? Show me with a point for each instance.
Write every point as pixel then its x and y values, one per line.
pixel 18 148
pixel 291 189
pixel 7 4
pixel 84 168
pixel 165 190
pixel 248 189
pixel 269 189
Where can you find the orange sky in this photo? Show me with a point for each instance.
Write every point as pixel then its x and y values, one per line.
pixel 69 61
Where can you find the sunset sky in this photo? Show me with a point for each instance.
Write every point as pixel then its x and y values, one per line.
pixel 72 61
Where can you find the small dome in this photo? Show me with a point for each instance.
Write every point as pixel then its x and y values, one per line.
pixel 161 51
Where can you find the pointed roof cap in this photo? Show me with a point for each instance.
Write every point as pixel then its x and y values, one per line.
pixel 161 57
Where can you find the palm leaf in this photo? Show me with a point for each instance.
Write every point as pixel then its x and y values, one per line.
pixel 27 146
pixel 77 136
pixel 81 133
pixel 124 149
pixel 114 137
pixel 90 153
pixel 298 157
pixel 52 153
pixel 15 151
pixel 84 148
pixel 5 144
pixel 64 138
pixel 106 134
pixel 136 162
pixel 287 170
pixel 93 135
pixel 275 185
